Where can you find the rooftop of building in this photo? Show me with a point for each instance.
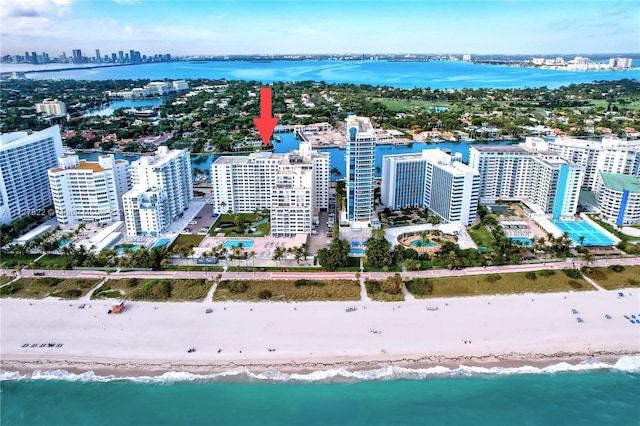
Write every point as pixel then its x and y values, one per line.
pixel 363 124
pixel 82 166
pixel 500 148
pixel 620 182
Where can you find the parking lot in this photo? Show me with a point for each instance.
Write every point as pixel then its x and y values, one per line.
pixel 202 221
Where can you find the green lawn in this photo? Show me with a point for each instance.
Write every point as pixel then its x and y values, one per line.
pixel 511 283
pixel 186 240
pixel 286 291
pixel 157 290
pixel 482 236
pixel 39 288
pixel 227 225
pixel 611 280
pixel 54 261
pixel 11 261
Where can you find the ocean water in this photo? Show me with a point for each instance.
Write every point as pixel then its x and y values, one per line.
pixel 435 74
pixel 587 394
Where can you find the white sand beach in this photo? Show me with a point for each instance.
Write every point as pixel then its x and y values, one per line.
pixel 150 338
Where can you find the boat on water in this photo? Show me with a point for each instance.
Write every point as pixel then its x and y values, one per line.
pixel 278 139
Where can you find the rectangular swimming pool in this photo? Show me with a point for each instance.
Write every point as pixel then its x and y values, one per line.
pixel 162 242
pixel 523 240
pixel 357 252
pixel 579 230
pixel 236 243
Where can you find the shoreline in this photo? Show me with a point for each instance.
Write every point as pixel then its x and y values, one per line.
pixel 126 369
pixel 153 338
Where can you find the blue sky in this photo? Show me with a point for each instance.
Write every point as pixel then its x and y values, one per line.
pixel 248 27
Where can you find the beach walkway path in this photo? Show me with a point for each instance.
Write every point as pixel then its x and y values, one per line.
pixel 593 283
pixel 408 297
pixel 364 297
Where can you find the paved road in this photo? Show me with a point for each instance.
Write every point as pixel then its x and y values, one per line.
pixel 321 274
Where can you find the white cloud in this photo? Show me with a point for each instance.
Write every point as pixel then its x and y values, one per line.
pixel 33 8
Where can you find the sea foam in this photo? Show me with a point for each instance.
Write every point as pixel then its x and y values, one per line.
pixel 626 364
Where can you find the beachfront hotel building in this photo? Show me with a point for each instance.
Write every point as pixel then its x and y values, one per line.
pixel 293 186
pixel 360 166
pixel 84 191
pixel 161 190
pixel 609 155
pixel 618 198
pixel 520 172
pixel 24 161
pixel 434 180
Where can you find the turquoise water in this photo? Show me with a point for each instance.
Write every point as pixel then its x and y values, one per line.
pixel 63 243
pixel 121 249
pixel 600 397
pixel 592 237
pixel 357 252
pixel 423 243
pixel 162 242
pixel 523 240
pixel 434 74
pixel 234 243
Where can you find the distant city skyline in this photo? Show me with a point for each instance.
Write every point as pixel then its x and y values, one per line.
pixel 320 27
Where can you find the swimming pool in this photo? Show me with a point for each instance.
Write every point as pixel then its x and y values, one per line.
pixel 63 243
pixel 578 230
pixel 236 243
pixel 121 249
pixel 523 240
pixel 422 243
pixel 357 252
pixel 162 242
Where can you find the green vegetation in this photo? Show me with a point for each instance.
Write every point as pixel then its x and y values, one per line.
pixel 615 276
pixel 54 261
pixel 545 281
pixel 186 240
pixel 172 290
pixel 5 279
pixel 23 260
pixel 387 290
pixel 240 225
pixel 287 290
pixel 482 236
pixel 39 288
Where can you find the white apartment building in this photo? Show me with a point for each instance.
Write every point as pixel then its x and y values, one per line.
pixel 51 107
pixel 85 191
pixel 154 88
pixel 296 182
pixel 24 161
pixel 165 170
pixel 520 172
pixel 292 206
pixel 146 211
pixel 434 180
pixel 619 198
pixel 609 155
pixel 360 166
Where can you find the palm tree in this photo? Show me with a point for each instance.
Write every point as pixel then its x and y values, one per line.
pixel 81 228
pixel 581 240
pixel 336 172
pixel 587 257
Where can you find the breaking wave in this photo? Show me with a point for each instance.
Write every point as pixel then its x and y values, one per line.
pixel 626 364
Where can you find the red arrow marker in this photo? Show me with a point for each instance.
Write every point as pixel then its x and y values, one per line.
pixel 266 123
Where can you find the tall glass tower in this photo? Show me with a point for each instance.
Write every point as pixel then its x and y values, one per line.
pixel 360 156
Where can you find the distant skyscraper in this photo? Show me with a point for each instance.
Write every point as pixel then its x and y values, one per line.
pixel 114 58
pixel 34 58
pixel 120 56
pixel 98 57
pixel 360 156
pixel 132 55
pixel 24 161
pixel 77 56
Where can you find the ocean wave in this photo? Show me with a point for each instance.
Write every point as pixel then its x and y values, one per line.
pixel 626 364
